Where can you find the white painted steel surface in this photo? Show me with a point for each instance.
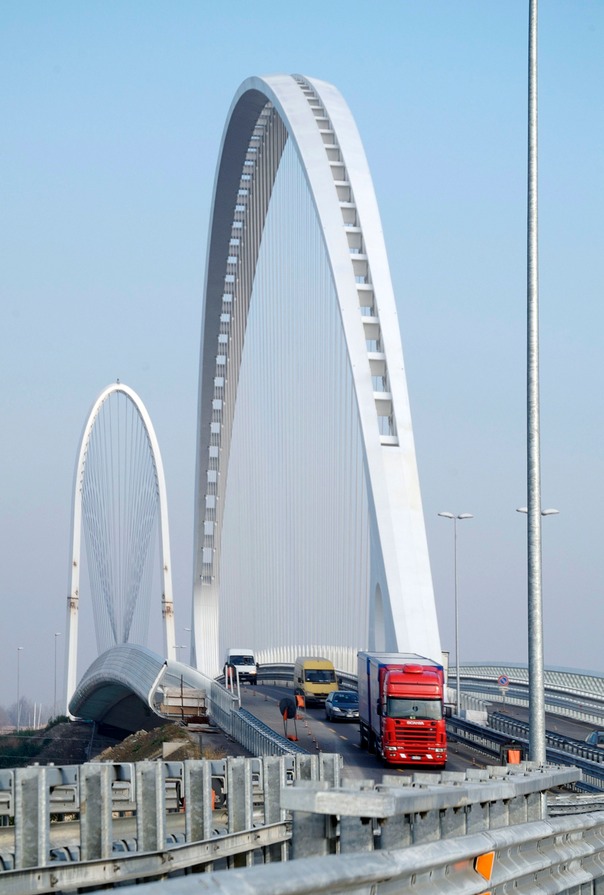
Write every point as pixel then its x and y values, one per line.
pixel 306 477
pixel 73 598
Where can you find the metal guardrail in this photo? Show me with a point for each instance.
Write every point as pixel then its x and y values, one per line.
pixel 568 692
pixel 255 736
pixel 562 855
pixel 579 748
pixel 109 833
pixel 100 849
pixel 485 830
pixel 503 731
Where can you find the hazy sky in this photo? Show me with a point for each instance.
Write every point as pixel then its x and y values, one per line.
pixel 111 118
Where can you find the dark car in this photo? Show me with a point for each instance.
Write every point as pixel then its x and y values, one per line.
pixel 596 738
pixel 342 705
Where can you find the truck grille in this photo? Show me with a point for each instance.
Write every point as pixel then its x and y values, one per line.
pixel 410 735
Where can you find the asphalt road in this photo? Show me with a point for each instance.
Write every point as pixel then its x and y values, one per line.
pixel 314 733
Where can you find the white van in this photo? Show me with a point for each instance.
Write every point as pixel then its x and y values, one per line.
pixel 244 663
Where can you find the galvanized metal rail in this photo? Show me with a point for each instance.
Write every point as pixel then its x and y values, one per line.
pixel 562 855
pixel 264 820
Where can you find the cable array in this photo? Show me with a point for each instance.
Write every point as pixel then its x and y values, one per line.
pixel 119 515
pixel 295 454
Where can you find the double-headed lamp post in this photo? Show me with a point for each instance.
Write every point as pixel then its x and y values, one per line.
pixel 550 512
pixel 455 517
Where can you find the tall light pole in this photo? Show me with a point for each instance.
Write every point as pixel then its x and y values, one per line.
pixel 537 746
pixel 537 742
pixel 19 648
pixel 455 518
pixel 54 704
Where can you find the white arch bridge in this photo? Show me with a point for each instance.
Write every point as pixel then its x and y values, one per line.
pixel 309 529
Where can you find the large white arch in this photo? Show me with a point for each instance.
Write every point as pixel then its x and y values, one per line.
pixel 265 114
pixel 73 598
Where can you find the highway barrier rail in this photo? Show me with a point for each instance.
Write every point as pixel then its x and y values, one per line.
pixel 563 856
pixel 69 827
pixel 424 831
pixel 569 692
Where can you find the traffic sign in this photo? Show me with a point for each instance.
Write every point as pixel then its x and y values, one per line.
pixel 503 680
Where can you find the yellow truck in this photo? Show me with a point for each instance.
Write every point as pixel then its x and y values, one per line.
pixel 314 678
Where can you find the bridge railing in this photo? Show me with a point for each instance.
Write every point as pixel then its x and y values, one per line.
pixel 562 855
pixel 438 825
pixel 255 736
pixel 574 694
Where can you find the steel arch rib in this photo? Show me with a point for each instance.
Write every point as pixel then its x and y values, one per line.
pixel 76 534
pixel 315 117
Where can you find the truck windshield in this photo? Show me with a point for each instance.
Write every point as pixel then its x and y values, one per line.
pixel 430 709
pixel 319 675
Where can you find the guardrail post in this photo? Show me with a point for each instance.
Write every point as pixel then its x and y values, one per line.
pixel 274 777
pixel 536 806
pixel 240 803
pixel 96 806
pixel 32 821
pixel 396 831
pixel 307 767
pixel 312 833
pixel 198 800
pixel 330 766
pixel 356 832
pixel 150 806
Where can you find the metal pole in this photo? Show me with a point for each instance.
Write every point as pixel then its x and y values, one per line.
pixel 455 517
pixel 537 751
pixel 19 648
pixel 54 704
pixel 457 683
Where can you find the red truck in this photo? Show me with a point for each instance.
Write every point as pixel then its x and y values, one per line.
pixel 401 698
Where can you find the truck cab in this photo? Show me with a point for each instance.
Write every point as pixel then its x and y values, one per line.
pixel 401 708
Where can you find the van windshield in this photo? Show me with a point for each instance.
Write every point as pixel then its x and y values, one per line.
pixel 320 675
pixel 242 660
pixel 430 709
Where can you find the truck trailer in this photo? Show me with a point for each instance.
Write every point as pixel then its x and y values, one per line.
pixel 401 700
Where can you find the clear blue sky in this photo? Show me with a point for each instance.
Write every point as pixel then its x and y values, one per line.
pixel 112 114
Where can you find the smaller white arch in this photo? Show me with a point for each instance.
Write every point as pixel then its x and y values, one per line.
pixel 76 534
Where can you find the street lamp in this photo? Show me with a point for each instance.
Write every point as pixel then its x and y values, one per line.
pixel 19 648
pixel 54 704
pixel 455 518
pixel 550 512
